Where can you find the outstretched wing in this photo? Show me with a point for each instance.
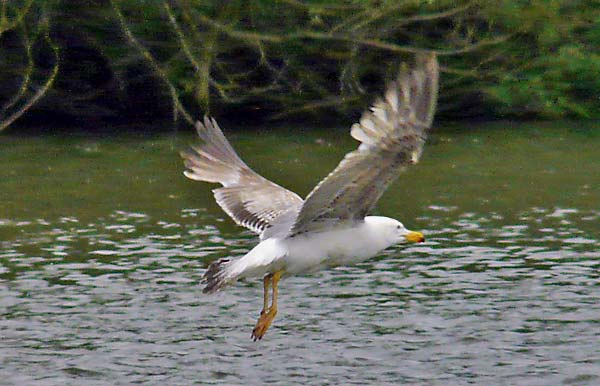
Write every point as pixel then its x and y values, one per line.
pixel 248 198
pixel 392 134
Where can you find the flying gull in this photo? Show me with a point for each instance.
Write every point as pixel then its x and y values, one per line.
pixel 330 227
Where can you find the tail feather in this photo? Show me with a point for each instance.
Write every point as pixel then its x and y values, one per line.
pixel 216 276
pixel 261 260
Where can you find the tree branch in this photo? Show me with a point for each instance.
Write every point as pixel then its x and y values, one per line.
pixel 42 90
pixel 177 106
pixel 374 43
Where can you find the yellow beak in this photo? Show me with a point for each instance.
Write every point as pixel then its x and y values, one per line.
pixel 415 237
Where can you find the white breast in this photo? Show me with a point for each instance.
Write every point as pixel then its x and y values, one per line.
pixel 333 248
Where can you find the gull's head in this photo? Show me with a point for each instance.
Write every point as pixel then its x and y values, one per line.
pixel 394 231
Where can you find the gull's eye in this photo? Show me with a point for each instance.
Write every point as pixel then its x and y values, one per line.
pixel 397 226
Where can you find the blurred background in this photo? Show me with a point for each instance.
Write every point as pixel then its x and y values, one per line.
pixel 90 63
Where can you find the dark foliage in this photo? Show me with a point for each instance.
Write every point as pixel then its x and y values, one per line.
pixel 109 61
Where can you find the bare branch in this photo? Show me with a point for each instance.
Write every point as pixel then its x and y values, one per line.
pixel 315 105
pixel 374 43
pixel 329 9
pixel 177 106
pixel 5 23
pixel 42 90
pixel 26 75
pixel 202 70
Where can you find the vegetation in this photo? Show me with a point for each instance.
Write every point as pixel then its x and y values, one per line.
pixel 19 70
pixel 284 59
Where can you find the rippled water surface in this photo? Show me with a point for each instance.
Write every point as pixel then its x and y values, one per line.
pixel 103 243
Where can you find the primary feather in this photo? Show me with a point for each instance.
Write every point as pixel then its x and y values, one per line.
pixel 248 198
pixel 392 135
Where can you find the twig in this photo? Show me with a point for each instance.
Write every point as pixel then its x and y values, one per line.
pixel 310 106
pixel 329 9
pixel 202 70
pixel 42 90
pixel 26 76
pixel 6 25
pixel 177 106
pixel 182 40
pixel 374 43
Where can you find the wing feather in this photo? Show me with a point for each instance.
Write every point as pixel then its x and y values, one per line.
pixel 392 134
pixel 248 198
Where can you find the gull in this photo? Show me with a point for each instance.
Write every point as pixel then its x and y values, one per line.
pixel 331 226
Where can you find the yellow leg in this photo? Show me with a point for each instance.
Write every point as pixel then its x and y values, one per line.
pixel 268 313
pixel 266 283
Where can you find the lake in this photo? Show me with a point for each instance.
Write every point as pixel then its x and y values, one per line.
pixel 103 243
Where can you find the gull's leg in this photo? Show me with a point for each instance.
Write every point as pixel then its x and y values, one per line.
pixel 267 315
pixel 263 313
pixel 266 284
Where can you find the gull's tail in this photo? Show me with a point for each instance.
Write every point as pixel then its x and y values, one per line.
pixel 258 262
pixel 216 277
pixel 215 160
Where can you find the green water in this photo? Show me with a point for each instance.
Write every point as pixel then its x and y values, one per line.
pixel 103 243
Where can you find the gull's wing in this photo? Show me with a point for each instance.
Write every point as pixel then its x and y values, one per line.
pixel 392 134
pixel 248 198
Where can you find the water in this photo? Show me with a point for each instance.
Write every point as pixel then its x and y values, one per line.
pixel 103 243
